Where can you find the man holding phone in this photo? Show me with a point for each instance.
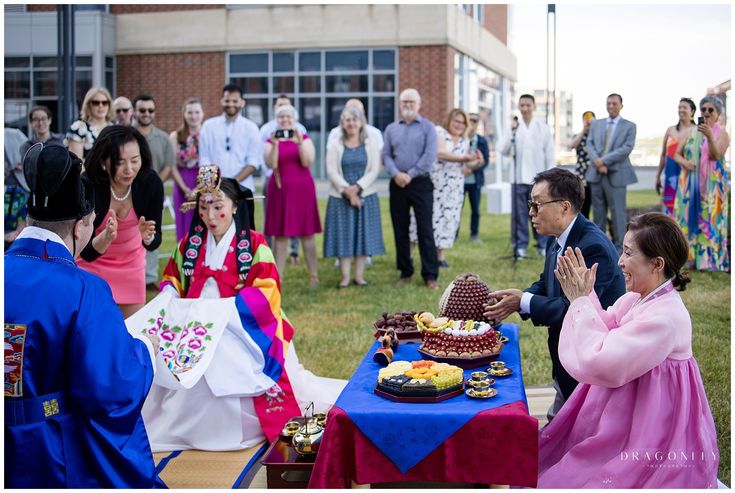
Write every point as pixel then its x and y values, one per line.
pixel 231 141
pixel 609 145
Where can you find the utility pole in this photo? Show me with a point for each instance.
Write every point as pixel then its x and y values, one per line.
pixel 65 66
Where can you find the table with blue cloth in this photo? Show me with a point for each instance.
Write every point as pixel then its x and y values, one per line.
pixel 371 440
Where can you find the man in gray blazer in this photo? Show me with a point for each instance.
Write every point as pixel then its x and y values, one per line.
pixel 609 145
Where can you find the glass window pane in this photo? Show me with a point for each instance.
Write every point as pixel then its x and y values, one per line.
pixel 109 62
pixel 335 107
pixel 384 83
pixel 347 60
pixel 256 110
pixel 310 83
pixel 110 81
pixel 16 115
pixel 283 84
pixel 252 85
pixel 310 61
pixel 81 61
pixel 347 83
pixel 44 84
pixel 310 114
pixel 283 62
pixel 257 62
pixel 17 62
pixel 383 112
pixel 384 60
pixel 17 84
pixel 44 62
pixel 84 84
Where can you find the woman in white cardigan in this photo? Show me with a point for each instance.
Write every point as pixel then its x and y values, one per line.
pixel 352 226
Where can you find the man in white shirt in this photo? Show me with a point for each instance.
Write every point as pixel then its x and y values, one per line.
pixel 373 133
pixel 531 147
pixel 231 141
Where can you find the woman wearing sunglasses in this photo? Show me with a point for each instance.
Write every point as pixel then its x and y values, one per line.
pixel 701 206
pixel 96 114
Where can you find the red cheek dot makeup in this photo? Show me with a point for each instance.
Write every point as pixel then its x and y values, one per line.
pixel 221 216
pixel 201 215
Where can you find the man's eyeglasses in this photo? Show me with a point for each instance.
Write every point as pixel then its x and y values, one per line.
pixel 96 102
pixel 123 110
pixel 408 101
pixel 147 110
pixel 708 110
pixel 534 206
pixel 474 120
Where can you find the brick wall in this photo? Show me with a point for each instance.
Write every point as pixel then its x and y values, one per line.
pixel 142 8
pixel 496 21
pixel 171 79
pixel 430 70
pixel 41 8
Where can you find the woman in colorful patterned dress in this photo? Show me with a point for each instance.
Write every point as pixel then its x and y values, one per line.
pixel 186 140
pixel 675 134
pixel 254 383
pixel 454 162
pixel 702 199
pixel 96 115
pixel 352 227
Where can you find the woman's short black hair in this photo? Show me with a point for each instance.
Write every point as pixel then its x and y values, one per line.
pixel 107 147
pixel 563 185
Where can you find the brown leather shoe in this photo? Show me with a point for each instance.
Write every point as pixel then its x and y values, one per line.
pixel 431 284
pixel 402 281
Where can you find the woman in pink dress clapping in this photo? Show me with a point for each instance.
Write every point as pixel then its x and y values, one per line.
pixel 639 417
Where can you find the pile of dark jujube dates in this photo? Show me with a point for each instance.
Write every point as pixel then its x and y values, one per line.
pixel 398 321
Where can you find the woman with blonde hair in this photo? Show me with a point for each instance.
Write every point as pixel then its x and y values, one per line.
pixel 96 114
pixel 185 140
pixel 453 163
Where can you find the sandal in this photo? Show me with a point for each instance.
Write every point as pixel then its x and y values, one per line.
pixel 342 286
pixel 362 283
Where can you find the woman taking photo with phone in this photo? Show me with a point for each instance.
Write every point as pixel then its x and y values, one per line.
pixel 702 206
pixel 292 207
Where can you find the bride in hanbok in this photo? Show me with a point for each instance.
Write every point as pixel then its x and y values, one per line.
pixel 231 377
pixel 639 417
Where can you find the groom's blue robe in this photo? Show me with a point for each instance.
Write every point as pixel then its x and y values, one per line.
pixel 75 379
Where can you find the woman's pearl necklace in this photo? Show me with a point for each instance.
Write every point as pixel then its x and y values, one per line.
pixel 120 199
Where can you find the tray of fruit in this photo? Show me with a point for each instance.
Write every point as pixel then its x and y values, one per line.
pixel 419 381
pixel 402 322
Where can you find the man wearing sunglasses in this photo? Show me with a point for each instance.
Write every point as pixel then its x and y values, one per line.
pixel 556 199
pixel 163 161
pixel 124 114
pixel 75 379
pixel 609 145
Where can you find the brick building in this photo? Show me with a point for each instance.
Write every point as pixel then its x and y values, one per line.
pixel 320 55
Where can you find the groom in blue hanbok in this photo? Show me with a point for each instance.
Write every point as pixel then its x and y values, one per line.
pixel 75 379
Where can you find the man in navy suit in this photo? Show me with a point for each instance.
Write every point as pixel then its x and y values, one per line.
pixel 556 199
pixel 609 145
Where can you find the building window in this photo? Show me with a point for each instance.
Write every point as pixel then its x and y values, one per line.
pixel 31 81
pixel 319 82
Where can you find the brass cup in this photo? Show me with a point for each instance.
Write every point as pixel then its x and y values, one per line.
pixel 292 427
pixel 481 389
pixel 497 365
pixel 478 376
pixel 321 419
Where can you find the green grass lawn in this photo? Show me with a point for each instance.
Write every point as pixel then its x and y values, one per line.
pixel 334 327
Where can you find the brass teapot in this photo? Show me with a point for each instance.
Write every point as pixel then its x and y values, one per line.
pixel 306 442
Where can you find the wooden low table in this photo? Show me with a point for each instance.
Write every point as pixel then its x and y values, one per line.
pixel 286 468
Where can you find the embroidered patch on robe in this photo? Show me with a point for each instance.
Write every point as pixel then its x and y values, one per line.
pixel 15 336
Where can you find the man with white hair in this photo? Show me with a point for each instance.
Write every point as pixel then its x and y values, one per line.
pixel 409 153
pixel 123 111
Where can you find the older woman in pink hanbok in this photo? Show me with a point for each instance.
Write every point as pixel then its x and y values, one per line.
pixel 639 417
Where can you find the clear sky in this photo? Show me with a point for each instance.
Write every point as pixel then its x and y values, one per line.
pixel 651 54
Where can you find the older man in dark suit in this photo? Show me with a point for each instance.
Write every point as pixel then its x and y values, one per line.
pixel 609 145
pixel 556 199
